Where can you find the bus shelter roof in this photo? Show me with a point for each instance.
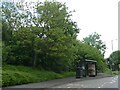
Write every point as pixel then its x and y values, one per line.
pixel 87 60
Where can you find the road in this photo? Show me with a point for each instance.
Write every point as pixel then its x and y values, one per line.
pixel 109 82
pixel 72 82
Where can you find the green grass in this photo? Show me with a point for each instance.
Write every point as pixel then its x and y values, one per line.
pixel 0 76
pixel 0 62
pixel 112 72
pixel 16 75
pixel 115 72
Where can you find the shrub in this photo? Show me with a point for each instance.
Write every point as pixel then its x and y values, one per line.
pixel 16 75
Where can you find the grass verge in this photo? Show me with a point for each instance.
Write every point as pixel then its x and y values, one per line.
pixel 112 72
pixel 115 72
pixel 16 75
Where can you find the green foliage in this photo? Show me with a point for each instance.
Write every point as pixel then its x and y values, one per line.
pixel 0 63
pixel 0 53
pixel 10 20
pixel 68 74
pixel 108 71
pixel 115 58
pixel 116 72
pixel 18 49
pixel 16 75
pixel 86 51
pixel 13 18
pixel 46 40
pixel 58 50
pixel 5 52
pixel 95 41
pixel 112 72
pixel 0 76
pixel 55 15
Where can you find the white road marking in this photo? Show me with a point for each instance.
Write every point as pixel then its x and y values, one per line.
pixel 113 81
pixel 68 87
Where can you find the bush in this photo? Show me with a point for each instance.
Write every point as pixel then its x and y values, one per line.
pixel 68 74
pixel 116 72
pixel 16 75
pixel 0 77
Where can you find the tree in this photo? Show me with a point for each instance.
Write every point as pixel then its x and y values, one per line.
pixel 8 21
pixel 14 21
pixel 86 51
pixel 52 14
pixel 115 58
pixel 54 18
pixel 58 51
pixel 13 18
pixel 47 42
pixel 95 41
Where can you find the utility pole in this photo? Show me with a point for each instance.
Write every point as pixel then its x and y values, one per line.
pixel 112 64
pixel 112 44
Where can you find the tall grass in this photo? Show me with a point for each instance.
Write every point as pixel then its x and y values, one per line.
pixel 15 75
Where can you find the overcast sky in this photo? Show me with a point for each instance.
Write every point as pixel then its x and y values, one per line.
pixel 99 16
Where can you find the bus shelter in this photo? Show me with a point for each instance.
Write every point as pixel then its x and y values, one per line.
pixel 86 68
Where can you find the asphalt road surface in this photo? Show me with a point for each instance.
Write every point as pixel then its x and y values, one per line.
pixel 99 81
pixel 108 82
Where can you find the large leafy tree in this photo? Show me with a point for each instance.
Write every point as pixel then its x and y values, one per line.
pixel 95 41
pixel 86 51
pixel 14 18
pixel 58 33
pixel 58 50
pixel 115 58
pixel 52 14
pixel 12 22
pixel 45 40
pixel 8 21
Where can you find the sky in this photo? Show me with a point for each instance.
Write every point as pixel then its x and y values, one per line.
pixel 99 16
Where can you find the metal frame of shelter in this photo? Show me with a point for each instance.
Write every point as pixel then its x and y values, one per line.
pixel 86 68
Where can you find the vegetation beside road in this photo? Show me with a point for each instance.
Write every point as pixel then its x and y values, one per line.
pixel 112 72
pixel 115 72
pixel 114 60
pixel 16 75
pixel 47 40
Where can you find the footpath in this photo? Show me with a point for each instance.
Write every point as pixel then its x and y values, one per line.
pixel 56 82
